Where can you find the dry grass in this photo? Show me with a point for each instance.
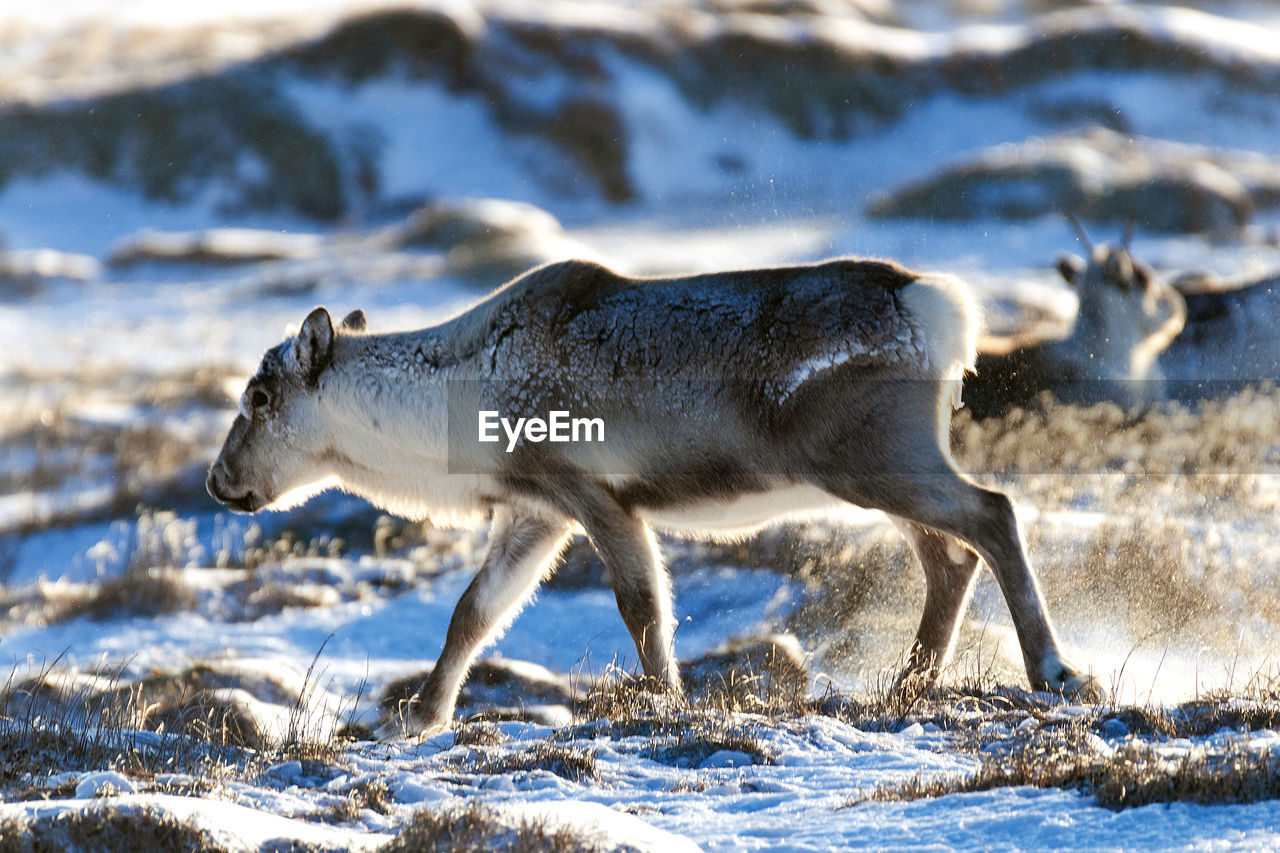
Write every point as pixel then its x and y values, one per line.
pixel 1204 459
pixel 761 675
pixel 313 737
pixel 704 741
pixel 106 827
pixel 154 459
pixel 679 733
pixel 478 827
pixel 53 723
pixel 371 794
pixel 140 591
pixel 479 734
pixel 374 794
pixel 568 762
pixel 198 722
pixel 1135 774
pixel 620 704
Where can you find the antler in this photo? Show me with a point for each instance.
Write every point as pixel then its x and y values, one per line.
pixel 1081 234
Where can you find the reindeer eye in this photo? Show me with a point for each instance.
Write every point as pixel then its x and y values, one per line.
pixel 259 399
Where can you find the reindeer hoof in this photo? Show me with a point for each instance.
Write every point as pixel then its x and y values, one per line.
pixel 1084 687
pixel 1064 678
pixel 399 728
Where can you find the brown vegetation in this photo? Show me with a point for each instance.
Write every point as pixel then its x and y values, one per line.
pixel 106 827
pixel 568 762
pixel 1135 774
pixel 479 827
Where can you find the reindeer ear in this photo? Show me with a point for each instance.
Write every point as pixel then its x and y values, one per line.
pixel 313 348
pixel 354 322
pixel 1070 267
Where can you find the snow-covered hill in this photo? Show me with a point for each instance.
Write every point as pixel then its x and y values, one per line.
pixel 179 183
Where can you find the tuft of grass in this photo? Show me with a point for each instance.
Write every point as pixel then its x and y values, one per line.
pixel 140 591
pixel 343 810
pixel 479 827
pixel 54 723
pixel 706 740
pixel 1135 774
pixel 198 722
pixel 1138 776
pixel 568 762
pixel 627 705
pixel 680 733
pixel 769 675
pixel 211 716
pixel 371 794
pixel 256 552
pixel 375 794
pixel 478 734
pixel 106 827
pixel 305 739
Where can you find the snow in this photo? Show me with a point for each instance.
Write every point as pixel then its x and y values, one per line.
pixel 434 139
pixel 240 826
pixel 158 13
pixel 717 187
pixel 105 783
pixel 711 607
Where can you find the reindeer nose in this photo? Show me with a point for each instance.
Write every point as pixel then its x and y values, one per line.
pixel 211 482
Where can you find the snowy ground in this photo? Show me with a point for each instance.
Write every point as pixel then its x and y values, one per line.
pixel 117 381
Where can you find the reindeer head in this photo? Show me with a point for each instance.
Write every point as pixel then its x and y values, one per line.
pixel 1127 317
pixel 278 445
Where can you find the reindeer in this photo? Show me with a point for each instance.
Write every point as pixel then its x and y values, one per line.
pixel 730 399
pixel 1127 317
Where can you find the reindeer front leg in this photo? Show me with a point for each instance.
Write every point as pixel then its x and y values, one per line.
pixel 522 550
pixel 640 585
pixel 628 550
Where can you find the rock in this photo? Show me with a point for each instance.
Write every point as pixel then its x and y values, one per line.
pixel 103 783
pixel 450 224
pixel 1115 728
pixel 1101 176
pixel 727 758
pixel 487 240
pixel 26 273
pixel 216 246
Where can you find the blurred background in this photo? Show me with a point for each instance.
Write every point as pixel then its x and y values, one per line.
pixel 181 182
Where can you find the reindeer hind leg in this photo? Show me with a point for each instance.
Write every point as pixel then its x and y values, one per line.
pixel 950 568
